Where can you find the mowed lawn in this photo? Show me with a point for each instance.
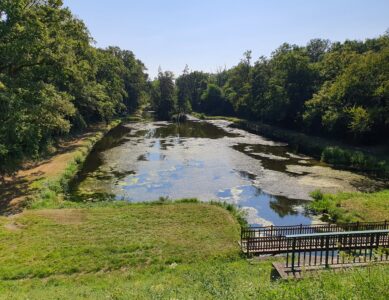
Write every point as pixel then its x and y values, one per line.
pixel 152 251
pixel 65 241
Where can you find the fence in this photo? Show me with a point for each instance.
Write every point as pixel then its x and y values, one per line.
pixel 325 249
pixel 273 239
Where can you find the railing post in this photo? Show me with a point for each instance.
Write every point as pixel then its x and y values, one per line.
pixel 371 246
pixel 287 252
pixel 327 250
pixel 293 252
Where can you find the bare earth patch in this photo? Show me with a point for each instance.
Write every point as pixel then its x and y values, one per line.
pixel 16 189
pixel 63 216
pixel 14 226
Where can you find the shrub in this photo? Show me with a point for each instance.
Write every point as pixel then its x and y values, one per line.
pixel 355 160
pixel 317 195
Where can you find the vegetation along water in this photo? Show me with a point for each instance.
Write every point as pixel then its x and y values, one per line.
pixel 115 185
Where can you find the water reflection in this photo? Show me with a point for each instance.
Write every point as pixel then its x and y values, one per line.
pixel 272 209
pixel 145 161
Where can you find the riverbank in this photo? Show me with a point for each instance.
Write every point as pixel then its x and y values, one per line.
pixel 352 207
pixel 160 250
pixel 118 250
pixel 338 207
pixel 42 183
pixel 371 160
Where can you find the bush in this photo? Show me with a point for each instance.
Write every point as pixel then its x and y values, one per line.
pixel 336 156
pixel 355 159
pixel 317 195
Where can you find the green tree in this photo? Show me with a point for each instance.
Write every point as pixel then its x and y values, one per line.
pixel 292 78
pixel 183 84
pixel 355 105
pixel 163 95
pixel 52 81
pixel 238 86
pixel 214 100
pixel 190 86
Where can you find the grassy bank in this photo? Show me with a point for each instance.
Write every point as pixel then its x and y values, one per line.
pixel 49 189
pixel 162 250
pixel 151 251
pixel 352 207
pixel 373 161
pixel 42 183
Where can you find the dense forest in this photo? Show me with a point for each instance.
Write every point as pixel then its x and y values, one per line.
pixel 53 81
pixel 335 89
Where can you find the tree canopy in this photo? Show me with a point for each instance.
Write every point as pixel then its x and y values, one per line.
pixel 53 81
pixel 331 89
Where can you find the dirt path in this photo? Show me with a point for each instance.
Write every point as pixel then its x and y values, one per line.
pixel 16 189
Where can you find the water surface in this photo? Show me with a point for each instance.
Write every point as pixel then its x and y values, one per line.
pixel 209 161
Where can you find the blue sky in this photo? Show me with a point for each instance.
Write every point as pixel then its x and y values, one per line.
pixel 207 34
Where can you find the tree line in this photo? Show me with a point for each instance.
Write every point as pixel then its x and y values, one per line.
pixel 325 88
pixel 53 81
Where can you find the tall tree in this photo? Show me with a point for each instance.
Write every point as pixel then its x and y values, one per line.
pixel 183 84
pixel 163 95
pixel 53 81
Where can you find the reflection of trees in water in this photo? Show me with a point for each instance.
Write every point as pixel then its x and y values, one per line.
pixel 268 162
pixel 284 206
pixel 250 176
pixel 192 129
pixel 112 139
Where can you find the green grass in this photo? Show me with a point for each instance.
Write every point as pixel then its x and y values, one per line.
pixel 355 159
pixel 205 280
pixel 48 192
pixel 184 250
pixel 67 241
pixel 160 250
pixel 352 207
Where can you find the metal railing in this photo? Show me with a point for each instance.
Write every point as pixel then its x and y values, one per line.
pixel 325 249
pixel 264 231
pixel 272 239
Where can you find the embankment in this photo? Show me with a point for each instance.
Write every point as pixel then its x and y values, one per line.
pixel 362 159
pixel 42 183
